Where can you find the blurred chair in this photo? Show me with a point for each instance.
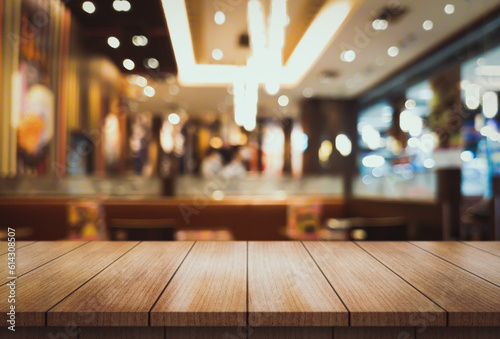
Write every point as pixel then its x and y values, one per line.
pixel 378 229
pixel 368 229
pixel 142 229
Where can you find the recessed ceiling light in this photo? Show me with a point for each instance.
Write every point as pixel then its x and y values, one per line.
pixel 141 81
pixel 283 100
pixel 128 64
pixel 121 5
pixel 217 54
pixel 393 51
pixel 113 42
pixel 173 89
pixel 89 7
pixel 380 24
pixel 409 104
pixel 152 63
pixel 348 56
pixel 219 18
pixel 149 91
pixel 139 40
pixel 449 9
pixel 174 118
pixel 428 25
pixel 272 88
pixel 308 92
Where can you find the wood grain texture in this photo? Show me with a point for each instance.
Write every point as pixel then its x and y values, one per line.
pixel 209 289
pixel 374 333
pixel 249 332
pixel 291 333
pixel 286 288
pixel 124 293
pixel 19 244
pixel 122 333
pixel 489 246
pixel 40 332
pixel 478 262
pixel 460 333
pixel 40 290
pixel 206 332
pixel 30 257
pixel 373 294
pixel 469 300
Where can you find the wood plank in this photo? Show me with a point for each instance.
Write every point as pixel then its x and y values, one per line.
pixel 122 333
pixel 373 294
pixel 30 257
pixel 206 332
pixel 286 288
pixel 40 290
pixel 460 333
pixel 40 332
pixel 209 289
pixel 19 244
pixel 124 293
pixel 291 333
pixel 489 246
pixel 374 333
pixel 482 264
pixel 469 300
pixel 250 332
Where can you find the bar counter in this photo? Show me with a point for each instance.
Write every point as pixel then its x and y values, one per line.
pixel 253 289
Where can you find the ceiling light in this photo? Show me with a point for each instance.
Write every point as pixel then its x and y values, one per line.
pixel 128 64
pixel 449 9
pixel 121 5
pixel 149 91
pixel 490 105
pixel 380 24
pixel 173 89
pixel 141 81
pixel 310 47
pixel 89 7
pixel 219 18
pixel 428 25
pixel 393 51
pixel 217 54
pixel 139 40
pixel 174 118
pixel 308 92
pixel 283 100
pixel 409 104
pixel 272 88
pixel 343 145
pixel 348 56
pixel 113 42
pixel 153 63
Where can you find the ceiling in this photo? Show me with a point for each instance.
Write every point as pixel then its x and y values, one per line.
pixel 371 66
pixel 144 18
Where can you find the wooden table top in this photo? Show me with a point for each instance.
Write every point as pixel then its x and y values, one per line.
pixel 254 283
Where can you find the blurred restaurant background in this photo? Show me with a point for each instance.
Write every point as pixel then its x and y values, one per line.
pixel 250 119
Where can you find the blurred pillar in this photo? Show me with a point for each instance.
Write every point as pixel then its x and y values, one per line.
pixel 494 227
pixel 325 120
pixel 398 105
pixel 287 129
pixel 260 136
pixel 449 194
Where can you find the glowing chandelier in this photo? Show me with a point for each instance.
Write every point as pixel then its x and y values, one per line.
pixel 266 61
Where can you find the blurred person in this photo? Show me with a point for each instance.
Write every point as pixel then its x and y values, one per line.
pixel 236 168
pixel 212 164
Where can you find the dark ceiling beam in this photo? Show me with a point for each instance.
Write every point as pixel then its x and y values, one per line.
pixel 106 32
